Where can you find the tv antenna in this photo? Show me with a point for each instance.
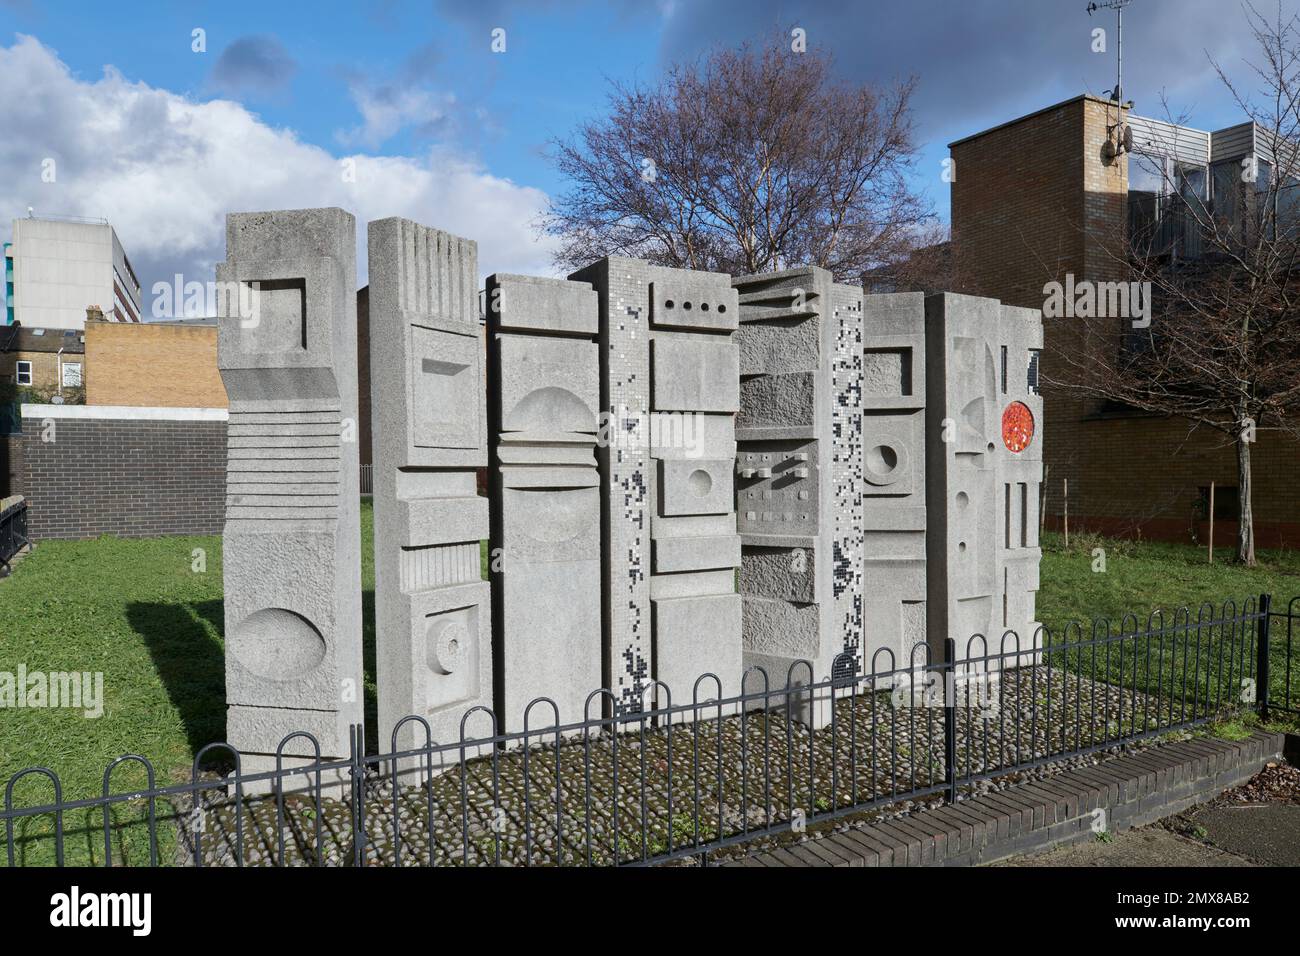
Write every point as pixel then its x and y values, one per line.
pixel 1119 137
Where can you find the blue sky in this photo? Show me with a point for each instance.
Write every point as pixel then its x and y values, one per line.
pixel 163 140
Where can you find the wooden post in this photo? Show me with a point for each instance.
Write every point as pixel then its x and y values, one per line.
pixel 1065 485
pixel 1042 503
pixel 1211 522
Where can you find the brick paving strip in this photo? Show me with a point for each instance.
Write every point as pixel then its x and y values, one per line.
pixel 1132 790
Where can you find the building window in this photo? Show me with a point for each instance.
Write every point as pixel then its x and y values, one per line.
pixel 71 372
pixel 23 373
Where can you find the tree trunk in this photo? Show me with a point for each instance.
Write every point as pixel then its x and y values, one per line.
pixel 1246 516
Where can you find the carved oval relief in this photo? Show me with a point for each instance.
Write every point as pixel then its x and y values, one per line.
pixel 277 644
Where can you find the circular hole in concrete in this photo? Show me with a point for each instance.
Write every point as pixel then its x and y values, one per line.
pixel 881 460
pixel 668 303
pixel 699 482
pixel 963 499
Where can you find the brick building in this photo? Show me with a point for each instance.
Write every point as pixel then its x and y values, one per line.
pixel 43 360
pixel 155 364
pixel 1042 197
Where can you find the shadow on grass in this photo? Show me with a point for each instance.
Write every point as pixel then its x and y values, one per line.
pixel 190 662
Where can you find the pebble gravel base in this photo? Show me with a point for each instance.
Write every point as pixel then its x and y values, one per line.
pixel 658 790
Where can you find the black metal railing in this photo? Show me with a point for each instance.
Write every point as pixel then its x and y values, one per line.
pixel 1278 661
pixel 678 779
pixel 13 530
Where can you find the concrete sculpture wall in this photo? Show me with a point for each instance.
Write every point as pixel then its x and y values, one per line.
pixel 800 475
pixel 622 290
pixel 543 411
pixel 984 471
pixel 432 609
pixel 872 466
pixel 695 393
pixel 894 477
pixel 292 547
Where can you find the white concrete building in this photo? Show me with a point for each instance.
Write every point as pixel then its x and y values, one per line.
pixel 61 267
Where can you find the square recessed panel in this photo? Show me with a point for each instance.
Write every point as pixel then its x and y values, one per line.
pixel 273 315
pixel 445 389
pixel 886 373
pixel 696 486
pixel 548 384
pixel 691 375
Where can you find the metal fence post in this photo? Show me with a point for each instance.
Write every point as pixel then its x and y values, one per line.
pixel 356 771
pixel 1261 649
pixel 950 718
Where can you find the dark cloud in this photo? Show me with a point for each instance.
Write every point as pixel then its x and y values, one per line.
pixel 981 62
pixel 253 64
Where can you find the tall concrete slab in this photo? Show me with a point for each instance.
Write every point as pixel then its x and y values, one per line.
pixel 984 470
pixel 1020 472
pixel 695 393
pixel 287 352
pixel 433 616
pixel 894 478
pixel 622 287
pixel 799 476
pixel 544 414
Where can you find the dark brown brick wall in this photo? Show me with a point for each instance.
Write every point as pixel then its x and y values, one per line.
pixel 11 465
pixel 1032 201
pixel 133 479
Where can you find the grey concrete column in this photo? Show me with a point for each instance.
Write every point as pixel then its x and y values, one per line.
pixel 432 609
pixel 799 465
pixel 543 410
pixel 287 352
pixel 983 479
pixel 893 508
pixel 695 394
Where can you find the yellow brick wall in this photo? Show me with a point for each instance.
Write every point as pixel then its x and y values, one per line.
pixel 45 367
pixel 153 365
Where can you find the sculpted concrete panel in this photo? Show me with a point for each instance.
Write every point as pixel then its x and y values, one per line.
pixel 292 568
pixel 800 477
pixel 432 608
pixel 543 409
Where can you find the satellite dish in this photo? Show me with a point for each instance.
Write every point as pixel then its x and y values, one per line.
pixel 1126 137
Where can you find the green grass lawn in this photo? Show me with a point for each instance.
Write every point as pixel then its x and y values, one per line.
pixel 139 612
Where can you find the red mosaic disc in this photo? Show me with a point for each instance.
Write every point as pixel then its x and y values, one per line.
pixel 1017 427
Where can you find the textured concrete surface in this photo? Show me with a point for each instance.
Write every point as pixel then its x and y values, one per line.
pixel 292 542
pixel 544 415
pixel 799 476
pixel 982 486
pixel 432 610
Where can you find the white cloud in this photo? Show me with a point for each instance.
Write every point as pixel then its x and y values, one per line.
pixel 387 109
pixel 165 170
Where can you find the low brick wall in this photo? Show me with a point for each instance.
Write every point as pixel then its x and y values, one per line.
pixel 1132 790
pixel 132 472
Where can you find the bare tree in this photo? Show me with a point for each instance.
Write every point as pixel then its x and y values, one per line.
pixel 752 160
pixel 1219 252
